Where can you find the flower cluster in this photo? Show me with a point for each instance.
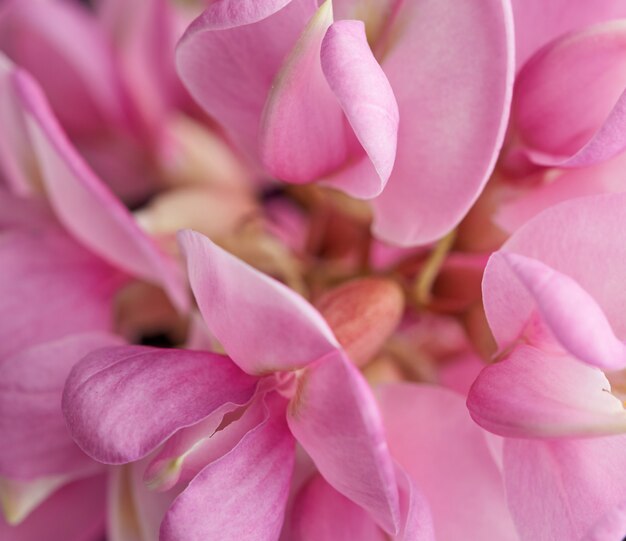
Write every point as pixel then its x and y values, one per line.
pixel 312 270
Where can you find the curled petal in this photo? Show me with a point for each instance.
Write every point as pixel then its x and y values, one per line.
pixel 121 403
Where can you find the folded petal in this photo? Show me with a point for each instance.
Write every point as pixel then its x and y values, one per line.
pixel 262 324
pixel 335 418
pixel 43 274
pixel 451 68
pixel 36 441
pixel 367 99
pixel 84 501
pixel 537 22
pixel 460 481
pixel 569 102
pixel 321 513
pixel 570 313
pixel 572 238
pixel 580 481
pixel 82 83
pixel 121 403
pixel 85 206
pixel 532 393
pixel 229 56
pixel 243 494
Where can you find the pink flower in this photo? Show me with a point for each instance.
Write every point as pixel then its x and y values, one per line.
pixel 227 424
pixel 409 109
pixel 554 299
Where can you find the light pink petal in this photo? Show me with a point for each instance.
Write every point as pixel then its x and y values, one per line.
pixel 571 314
pixel 432 436
pixel 121 403
pixel 537 22
pixel 229 56
pixel 84 205
pixel 82 83
pixel 302 128
pixel 416 516
pixel 572 238
pixel 610 526
pixel 532 393
pixel 579 482
pixel 44 274
pixel 450 65
pixel 243 494
pixel 323 514
pixel 335 418
pixel 36 441
pixel 569 102
pixel 367 100
pixel 262 324
pixel 84 501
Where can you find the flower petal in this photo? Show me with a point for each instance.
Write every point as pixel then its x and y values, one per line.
pixel 262 324
pixel 580 481
pixel 229 56
pixel 335 418
pixel 121 403
pixel 85 206
pixel 451 68
pixel 533 393
pixel 421 422
pixel 35 439
pixel 243 494
pixel 569 103
pixel 610 526
pixel 367 100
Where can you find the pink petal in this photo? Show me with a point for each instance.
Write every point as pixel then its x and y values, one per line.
pixel 121 403
pixel 537 22
pixel 82 83
pixel 460 480
pixel 229 56
pixel 35 439
pixel 366 98
pixel 262 324
pixel 84 205
pixel 537 394
pixel 579 481
pixel 334 417
pixel 610 526
pixel 569 104
pixel 451 69
pixel 243 494
pixel 84 501
pixel 571 314
pixel 571 238
pixel 302 127
pixel 36 263
pixel 323 514
pixel 416 517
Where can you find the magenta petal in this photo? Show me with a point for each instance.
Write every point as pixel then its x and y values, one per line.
pixel 38 262
pixel 35 439
pixel 366 98
pixel 451 68
pixel 580 481
pixel 85 206
pixel 335 418
pixel 229 56
pixel 569 102
pixel 323 514
pixel 532 393
pixel 262 324
pixel 422 421
pixel 571 314
pixel 243 494
pixel 121 403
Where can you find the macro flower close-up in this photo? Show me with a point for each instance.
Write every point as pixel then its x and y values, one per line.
pixel 312 270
